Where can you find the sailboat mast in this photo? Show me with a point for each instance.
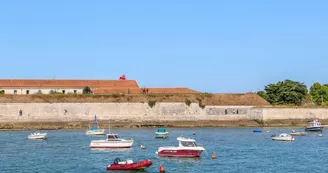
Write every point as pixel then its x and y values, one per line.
pixel 108 125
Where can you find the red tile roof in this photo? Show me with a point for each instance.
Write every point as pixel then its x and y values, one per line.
pixel 117 90
pixel 68 83
pixel 139 90
pixel 172 90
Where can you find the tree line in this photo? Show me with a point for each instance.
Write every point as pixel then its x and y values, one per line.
pixel 290 92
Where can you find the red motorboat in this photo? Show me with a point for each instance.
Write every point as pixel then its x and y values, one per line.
pixel 129 165
pixel 186 148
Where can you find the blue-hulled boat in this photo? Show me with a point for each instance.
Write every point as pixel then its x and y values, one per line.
pixel 314 126
pixel 161 133
pixel 257 131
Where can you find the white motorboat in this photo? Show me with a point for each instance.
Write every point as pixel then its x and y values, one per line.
pixel 112 141
pixel 161 133
pixel 37 136
pixel 95 129
pixel 283 137
pixel 186 148
pixel 314 126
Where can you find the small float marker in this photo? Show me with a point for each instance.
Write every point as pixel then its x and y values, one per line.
pixel 193 133
pixel 213 155
pixel 161 168
pixel 142 146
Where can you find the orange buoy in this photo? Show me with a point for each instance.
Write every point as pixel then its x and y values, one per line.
pixel 161 168
pixel 213 155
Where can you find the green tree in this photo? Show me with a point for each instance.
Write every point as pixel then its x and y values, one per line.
pixel 319 93
pixel 86 90
pixel 263 95
pixel 285 92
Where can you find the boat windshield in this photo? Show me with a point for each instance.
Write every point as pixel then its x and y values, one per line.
pixel 188 144
pixel 284 135
pixel 161 130
pixel 112 137
pixel 315 124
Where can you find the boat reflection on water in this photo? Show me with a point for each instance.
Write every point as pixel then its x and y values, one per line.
pixel 112 149
pixel 183 159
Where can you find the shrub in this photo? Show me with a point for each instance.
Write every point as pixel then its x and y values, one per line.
pixel 206 94
pixel 188 102
pixel 128 98
pixel 151 95
pixel 201 105
pixel 151 103
pixel 52 92
pixel 86 90
pixel 116 95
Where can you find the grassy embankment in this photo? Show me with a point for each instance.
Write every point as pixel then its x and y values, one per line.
pixel 202 99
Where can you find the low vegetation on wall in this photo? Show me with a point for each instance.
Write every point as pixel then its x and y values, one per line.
pixel 201 99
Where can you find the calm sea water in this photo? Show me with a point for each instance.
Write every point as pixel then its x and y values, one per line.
pixel 238 150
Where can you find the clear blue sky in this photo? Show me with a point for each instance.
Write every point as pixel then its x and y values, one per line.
pixel 211 46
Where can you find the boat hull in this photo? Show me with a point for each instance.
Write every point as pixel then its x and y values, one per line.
pixel 95 132
pixel 40 136
pixel 131 166
pixel 283 139
pixel 111 144
pixel 161 134
pixel 298 134
pixel 314 129
pixel 180 153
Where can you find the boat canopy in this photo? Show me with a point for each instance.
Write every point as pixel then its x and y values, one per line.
pixel 187 144
pixel 185 139
pixel 112 136
pixel 314 123
pixel 161 130
pixel 94 128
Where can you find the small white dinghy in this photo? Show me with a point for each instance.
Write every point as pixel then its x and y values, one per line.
pixel 37 136
pixel 294 133
pixel 282 137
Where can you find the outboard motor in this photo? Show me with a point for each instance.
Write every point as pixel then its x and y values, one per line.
pixel 117 160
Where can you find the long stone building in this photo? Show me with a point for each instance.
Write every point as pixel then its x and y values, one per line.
pixel 41 86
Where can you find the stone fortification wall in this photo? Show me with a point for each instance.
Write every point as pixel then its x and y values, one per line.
pixel 161 114
pixel 294 113
pixel 138 112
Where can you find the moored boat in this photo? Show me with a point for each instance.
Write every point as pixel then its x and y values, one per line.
pixel 294 133
pixel 186 148
pixel 37 136
pixel 161 133
pixel 112 141
pixel 129 165
pixel 95 129
pixel 314 126
pixel 283 137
